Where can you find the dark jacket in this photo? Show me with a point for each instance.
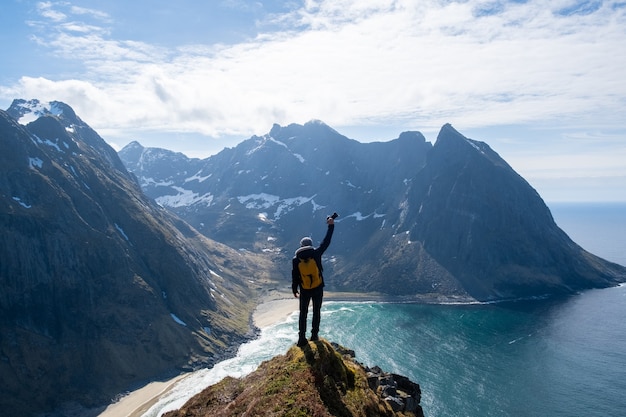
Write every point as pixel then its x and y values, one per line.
pixel 305 252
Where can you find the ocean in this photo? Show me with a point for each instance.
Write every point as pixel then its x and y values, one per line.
pixel 560 357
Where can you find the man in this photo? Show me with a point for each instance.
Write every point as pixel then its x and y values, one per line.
pixel 306 275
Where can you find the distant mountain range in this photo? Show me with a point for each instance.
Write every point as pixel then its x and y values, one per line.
pixel 417 220
pixel 100 288
pixel 119 268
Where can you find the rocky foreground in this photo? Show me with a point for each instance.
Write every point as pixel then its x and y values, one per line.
pixel 320 379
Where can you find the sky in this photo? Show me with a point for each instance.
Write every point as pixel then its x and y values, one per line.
pixel 542 82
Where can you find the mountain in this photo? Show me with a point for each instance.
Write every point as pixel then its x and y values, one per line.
pixel 101 287
pixel 417 220
pixel 319 380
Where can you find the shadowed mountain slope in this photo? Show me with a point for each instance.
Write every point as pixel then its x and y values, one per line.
pixel 446 221
pixel 101 288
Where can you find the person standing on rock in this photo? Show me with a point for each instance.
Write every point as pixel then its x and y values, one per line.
pixel 306 276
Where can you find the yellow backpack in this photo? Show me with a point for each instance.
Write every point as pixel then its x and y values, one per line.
pixel 310 274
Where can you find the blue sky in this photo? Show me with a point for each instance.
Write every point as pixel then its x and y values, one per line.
pixel 543 82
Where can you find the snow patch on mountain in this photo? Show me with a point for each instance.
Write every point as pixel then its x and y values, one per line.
pixel 184 198
pixel 21 203
pixel 177 320
pixel 278 142
pixel 360 217
pixel 281 206
pixel 35 162
pixel 475 145
pixel 261 142
pixel 263 217
pixel 121 231
pixel 197 177
pixel 53 144
pixel 33 109
pixel 291 203
pixel 258 201
pixel 145 181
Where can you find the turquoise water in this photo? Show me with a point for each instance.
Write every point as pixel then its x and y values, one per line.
pixel 544 358
pixel 564 358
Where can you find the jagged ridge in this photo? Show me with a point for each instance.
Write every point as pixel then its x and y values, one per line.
pixel 417 220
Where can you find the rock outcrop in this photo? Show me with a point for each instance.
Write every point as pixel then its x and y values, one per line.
pixel 318 380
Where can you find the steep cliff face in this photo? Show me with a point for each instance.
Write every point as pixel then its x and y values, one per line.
pixel 101 288
pixel 487 227
pixel 417 220
pixel 317 380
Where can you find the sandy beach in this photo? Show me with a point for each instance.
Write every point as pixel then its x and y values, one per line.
pixel 272 309
pixel 138 402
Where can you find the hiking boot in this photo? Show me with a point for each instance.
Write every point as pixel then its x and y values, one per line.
pixel 302 342
pixel 314 337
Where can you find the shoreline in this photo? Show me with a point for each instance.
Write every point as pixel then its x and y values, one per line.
pixel 273 307
pixel 278 305
pixel 136 403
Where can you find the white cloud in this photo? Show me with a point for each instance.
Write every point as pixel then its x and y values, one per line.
pixel 46 10
pixel 402 64
pixel 98 14
pixel 354 62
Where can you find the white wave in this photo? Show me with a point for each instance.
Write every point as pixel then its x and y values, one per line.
pixel 274 340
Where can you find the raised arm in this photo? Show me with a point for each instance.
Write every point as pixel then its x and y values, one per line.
pixel 329 235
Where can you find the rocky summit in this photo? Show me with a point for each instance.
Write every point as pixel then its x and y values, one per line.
pixel 318 380
pixel 419 221
pixel 101 288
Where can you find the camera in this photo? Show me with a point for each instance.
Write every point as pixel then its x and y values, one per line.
pixel 334 216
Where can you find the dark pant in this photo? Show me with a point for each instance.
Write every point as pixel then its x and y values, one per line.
pixel 306 296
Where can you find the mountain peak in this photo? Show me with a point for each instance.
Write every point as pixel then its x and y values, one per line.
pixel 133 147
pixel 312 128
pixel 454 144
pixel 319 379
pixel 317 122
pixel 412 135
pixel 449 134
pixel 56 124
pixel 318 126
pixel 26 111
